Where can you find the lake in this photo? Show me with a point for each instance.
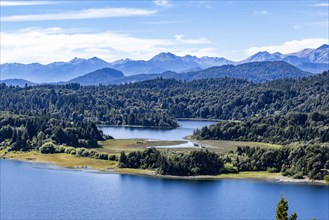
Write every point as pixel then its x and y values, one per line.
pixel 186 128
pixel 38 191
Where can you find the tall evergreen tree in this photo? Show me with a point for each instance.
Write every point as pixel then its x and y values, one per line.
pixel 282 211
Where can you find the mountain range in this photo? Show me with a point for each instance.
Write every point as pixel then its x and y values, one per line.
pixel 254 71
pixel 310 60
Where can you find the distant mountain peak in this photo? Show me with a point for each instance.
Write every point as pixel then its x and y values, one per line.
pixel 101 76
pixel 121 61
pixel 164 57
pixel 108 71
pixel 77 59
pixel 324 46
pixel 262 56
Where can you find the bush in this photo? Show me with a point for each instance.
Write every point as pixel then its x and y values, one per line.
pixel 288 172
pixel 326 178
pixel 101 156
pixel 272 170
pixel 298 175
pixel 48 148
pixel 69 150
pixel 60 149
pixel 230 168
pixel 112 157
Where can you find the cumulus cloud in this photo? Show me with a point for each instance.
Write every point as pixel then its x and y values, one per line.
pixel 91 13
pixel 290 46
pixel 57 44
pixel 182 39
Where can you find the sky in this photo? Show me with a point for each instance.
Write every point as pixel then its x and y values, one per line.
pixel 47 31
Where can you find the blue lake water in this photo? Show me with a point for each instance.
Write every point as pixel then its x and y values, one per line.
pixel 36 191
pixel 186 128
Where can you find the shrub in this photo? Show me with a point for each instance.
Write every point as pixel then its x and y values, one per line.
pixel 298 175
pixel 272 170
pixel 326 178
pixel 112 157
pixel 48 148
pixel 230 168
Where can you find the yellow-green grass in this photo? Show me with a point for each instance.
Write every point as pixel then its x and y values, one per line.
pixel 222 146
pixel 143 172
pixel 251 175
pixel 256 175
pixel 71 161
pixel 116 146
pixel 63 160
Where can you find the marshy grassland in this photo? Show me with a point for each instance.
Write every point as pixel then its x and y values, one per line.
pixel 116 146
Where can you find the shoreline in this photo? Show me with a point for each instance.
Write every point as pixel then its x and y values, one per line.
pixel 105 166
pixel 137 126
pixel 246 175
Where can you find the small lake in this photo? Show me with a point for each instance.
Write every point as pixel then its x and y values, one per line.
pixel 186 128
pixel 37 191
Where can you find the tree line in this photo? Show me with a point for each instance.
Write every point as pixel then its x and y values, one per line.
pixel 23 132
pixel 281 129
pixel 310 161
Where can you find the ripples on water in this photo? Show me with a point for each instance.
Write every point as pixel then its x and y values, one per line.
pixel 30 193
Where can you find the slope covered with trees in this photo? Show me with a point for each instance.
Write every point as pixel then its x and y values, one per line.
pixel 160 101
pixel 282 129
pixel 22 132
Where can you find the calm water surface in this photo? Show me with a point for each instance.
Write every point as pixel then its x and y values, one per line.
pixel 36 191
pixel 186 128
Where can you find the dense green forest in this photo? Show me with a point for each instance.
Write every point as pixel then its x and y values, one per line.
pixel 21 132
pixel 48 117
pixel 281 129
pixel 160 101
pixel 305 160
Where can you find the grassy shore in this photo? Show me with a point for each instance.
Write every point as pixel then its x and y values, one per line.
pixel 63 160
pixel 71 161
pixel 116 146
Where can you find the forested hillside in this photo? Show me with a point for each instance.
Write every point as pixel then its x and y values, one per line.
pixel 22 132
pixel 282 129
pixel 160 101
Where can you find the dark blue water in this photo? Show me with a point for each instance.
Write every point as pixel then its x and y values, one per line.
pixel 29 191
pixel 186 128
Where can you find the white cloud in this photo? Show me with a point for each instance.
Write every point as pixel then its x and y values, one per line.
pixel 321 5
pixel 162 3
pixel 26 3
pixel 202 40
pixel 290 46
pixel 56 44
pixel 259 13
pixel 83 14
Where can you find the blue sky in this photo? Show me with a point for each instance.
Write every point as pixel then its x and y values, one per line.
pixel 47 31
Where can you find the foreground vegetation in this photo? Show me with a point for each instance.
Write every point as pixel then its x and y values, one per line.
pixel 241 164
pixel 282 211
pixel 302 161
